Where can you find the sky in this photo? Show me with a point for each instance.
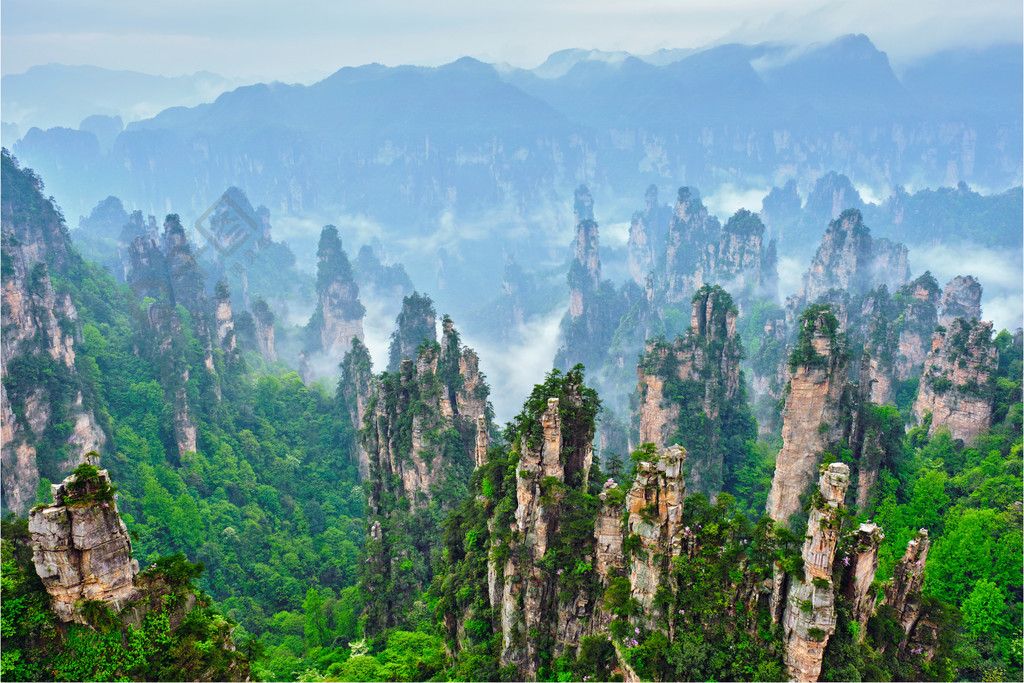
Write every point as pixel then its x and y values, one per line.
pixel 302 40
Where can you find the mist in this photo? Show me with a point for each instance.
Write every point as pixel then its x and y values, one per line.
pixel 1000 272
pixel 512 370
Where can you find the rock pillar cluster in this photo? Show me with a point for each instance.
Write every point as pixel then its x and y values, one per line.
pixel 704 370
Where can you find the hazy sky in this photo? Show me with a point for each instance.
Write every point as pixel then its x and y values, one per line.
pixel 305 38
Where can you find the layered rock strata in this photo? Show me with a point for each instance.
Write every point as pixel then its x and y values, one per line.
pixel 810 616
pixel 813 417
pixel 655 505
pixel 81 548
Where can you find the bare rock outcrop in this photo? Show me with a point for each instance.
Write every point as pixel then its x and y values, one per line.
pixel 961 299
pixel 647 232
pixel 862 563
pixel 356 388
pixel 263 319
pixel 703 371
pixel 813 416
pixel 691 233
pixel 554 458
pixel 810 617
pixel 81 547
pixel 957 385
pixel 585 273
pixel 40 327
pixel 223 320
pixel 904 593
pixel 655 506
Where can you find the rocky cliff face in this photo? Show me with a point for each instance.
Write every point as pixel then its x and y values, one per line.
pixel 957 385
pixel 813 417
pixel 849 260
pixel 961 299
pixel 810 616
pixel 842 261
pixel 40 330
pixel 356 387
pixel 223 320
pixel 338 318
pixel 263 321
pixel 690 235
pixel 585 273
pixel 81 547
pixel 165 345
pixel 862 563
pixel 904 594
pixel 647 232
pixel 690 392
pixel 554 459
pixel 420 432
pixel 700 251
pixel 655 505
pixel 594 306
pixel 919 318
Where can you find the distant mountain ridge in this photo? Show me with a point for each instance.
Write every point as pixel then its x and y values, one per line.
pixel 408 148
pixel 52 95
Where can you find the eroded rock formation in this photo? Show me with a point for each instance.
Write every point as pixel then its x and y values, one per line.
pixel 420 432
pixel 40 329
pixel 904 593
pixel 551 462
pixel 813 416
pixel 655 506
pixel 338 318
pixel 356 387
pixel 691 392
pixel 415 324
pixel 810 616
pixel 81 548
pixel 961 299
pixel 956 387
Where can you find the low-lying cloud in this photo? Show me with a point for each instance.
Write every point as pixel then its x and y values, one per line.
pixel 1000 272
pixel 513 369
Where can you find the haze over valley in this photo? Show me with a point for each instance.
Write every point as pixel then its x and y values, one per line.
pixel 692 356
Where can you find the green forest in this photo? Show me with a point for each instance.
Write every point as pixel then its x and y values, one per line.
pixel 264 524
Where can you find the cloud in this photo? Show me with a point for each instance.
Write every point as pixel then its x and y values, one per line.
pixel 513 369
pixel 728 199
pixel 791 272
pixel 1000 272
pixel 275 39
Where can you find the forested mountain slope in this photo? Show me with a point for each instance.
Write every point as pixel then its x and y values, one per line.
pixel 383 529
